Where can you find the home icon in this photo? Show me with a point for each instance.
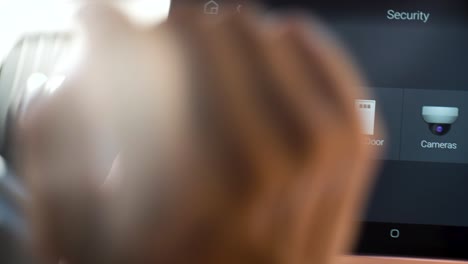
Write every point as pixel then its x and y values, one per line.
pixel 211 8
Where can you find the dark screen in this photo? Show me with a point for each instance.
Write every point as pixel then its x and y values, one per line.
pixel 414 55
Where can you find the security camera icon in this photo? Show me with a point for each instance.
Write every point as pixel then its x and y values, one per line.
pixel 439 118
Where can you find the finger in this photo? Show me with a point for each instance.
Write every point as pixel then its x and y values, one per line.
pixel 302 90
pixel 103 24
pixel 341 81
pixel 61 173
pixel 296 83
pixel 338 131
pixel 352 174
pixel 239 82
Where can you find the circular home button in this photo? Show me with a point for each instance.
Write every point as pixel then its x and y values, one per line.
pixel 394 233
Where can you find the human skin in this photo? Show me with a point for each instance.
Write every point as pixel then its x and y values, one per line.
pixel 303 171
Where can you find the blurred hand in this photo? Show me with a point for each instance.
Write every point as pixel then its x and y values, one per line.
pixel 242 146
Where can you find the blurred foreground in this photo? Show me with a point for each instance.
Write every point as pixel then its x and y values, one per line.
pixel 232 140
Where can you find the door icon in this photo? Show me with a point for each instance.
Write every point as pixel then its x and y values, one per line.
pixel 366 110
pixel 211 8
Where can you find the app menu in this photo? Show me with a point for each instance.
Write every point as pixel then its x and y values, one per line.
pixel 421 125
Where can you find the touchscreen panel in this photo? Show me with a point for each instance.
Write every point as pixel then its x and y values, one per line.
pixel 414 55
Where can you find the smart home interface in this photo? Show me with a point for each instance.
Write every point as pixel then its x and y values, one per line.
pixel 422 125
pixel 414 55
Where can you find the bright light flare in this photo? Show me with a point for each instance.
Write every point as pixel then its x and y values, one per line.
pixel 35 82
pixel 54 83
